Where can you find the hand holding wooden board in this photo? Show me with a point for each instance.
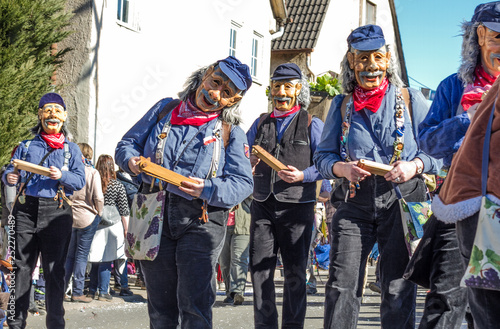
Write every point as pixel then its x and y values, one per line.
pixel 268 158
pixel 374 167
pixel 31 167
pixel 164 174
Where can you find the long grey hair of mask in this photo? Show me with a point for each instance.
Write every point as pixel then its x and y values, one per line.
pixel 231 115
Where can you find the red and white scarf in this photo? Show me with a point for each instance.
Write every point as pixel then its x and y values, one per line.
pixel 188 114
pixel 283 114
pixel 370 99
pixel 56 141
pixel 473 92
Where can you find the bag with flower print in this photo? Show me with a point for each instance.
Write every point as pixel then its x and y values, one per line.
pixel 483 271
pixel 145 226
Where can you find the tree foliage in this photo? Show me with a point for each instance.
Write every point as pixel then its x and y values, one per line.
pixel 28 29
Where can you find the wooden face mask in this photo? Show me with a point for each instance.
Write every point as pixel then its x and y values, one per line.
pixel 216 91
pixel 370 67
pixel 52 116
pixel 284 93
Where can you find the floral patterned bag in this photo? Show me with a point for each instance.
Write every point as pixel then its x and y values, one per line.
pixel 483 270
pixel 413 216
pixel 145 226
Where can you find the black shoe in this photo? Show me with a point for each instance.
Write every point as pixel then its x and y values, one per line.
pixel 228 300
pixel 311 291
pixel 375 287
pixel 126 292
pixel 105 297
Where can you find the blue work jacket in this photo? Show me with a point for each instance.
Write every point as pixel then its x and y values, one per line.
pixel 442 131
pixel 186 153
pixel 42 186
pixel 366 142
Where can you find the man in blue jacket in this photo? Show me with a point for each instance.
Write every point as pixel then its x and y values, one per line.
pixel 199 138
pixel 441 134
pixel 283 208
pixel 373 122
pixel 42 218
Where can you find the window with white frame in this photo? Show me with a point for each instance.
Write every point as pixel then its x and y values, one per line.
pixel 371 13
pixel 256 53
pixel 233 37
pixel 128 14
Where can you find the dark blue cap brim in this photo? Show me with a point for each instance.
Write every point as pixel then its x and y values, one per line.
pixel 286 77
pixel 492 26
pixel 369 44
pixel 235 78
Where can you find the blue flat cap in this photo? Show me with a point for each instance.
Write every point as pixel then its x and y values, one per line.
pixel 51 98
pixel 236 71
pixel 288 71
pixel 488 14
pixel 367 37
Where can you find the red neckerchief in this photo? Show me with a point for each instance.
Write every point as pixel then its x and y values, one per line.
pixel 370 99
pixel 56 141
pixel 187 114
pixel 473 92
pixel 283 114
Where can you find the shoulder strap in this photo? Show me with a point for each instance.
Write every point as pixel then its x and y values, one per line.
pixel 343 107
pixel 24 151
pixel 167 109
pixel 261 119
pixel 406 97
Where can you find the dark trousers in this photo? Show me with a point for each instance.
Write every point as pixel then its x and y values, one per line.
pixel 180 281
pixel 484 304
pixel 285 227
pixel 40 228
pixel 373 215
pixel 446 302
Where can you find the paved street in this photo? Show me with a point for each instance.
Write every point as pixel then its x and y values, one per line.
pixel 131 312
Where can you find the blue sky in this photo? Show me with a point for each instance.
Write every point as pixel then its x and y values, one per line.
pixel 430 32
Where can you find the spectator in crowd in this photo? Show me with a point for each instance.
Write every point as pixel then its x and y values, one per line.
pixel 108 243
pixel 318 237
pixel 363 125
pixel 87 208
pixel 233 258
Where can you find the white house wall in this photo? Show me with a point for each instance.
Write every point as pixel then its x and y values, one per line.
pixel 343 17
pixel 136 69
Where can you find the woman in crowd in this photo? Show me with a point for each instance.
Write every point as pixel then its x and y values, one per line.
pixel 87 207
pixel 108 243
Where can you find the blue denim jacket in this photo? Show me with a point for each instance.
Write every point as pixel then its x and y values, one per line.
pixel 362 140
pixel 42 186
pixel 186 154
pixel 442 131
pixel 311 174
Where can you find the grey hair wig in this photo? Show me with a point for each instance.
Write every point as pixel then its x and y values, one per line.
pixel 349 77
pixel 231 115
pixel 470 52
pixel 304 97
